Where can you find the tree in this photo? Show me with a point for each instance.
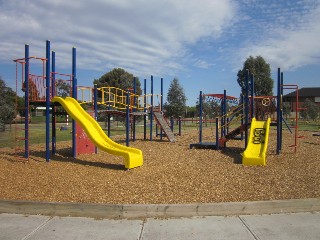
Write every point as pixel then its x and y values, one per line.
pixel 210 109
pixel 118 78
pixel 263 83
pixel 176 100
pixel 310 110
pixel 286 109
pixel 191 112
pixel 7 105
pixel 63 89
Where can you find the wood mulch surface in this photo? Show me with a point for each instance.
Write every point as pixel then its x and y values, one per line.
pixel 172 173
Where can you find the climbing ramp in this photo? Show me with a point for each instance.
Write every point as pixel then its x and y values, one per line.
pixel 232 134
pixel 164 125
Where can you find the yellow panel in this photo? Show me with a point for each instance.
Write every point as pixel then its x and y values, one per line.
pixel 256 151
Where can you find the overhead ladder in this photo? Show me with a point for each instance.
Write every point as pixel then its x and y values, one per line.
pixel 164 126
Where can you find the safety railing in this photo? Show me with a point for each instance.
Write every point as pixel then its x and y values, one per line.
pixel 117 98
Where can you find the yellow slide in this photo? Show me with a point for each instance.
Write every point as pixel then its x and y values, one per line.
pixel 133 157
pixel 256 151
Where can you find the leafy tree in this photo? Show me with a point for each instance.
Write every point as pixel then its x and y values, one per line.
pixel 286 109
pixel 210 109
pixel 263 83
pixel 191 112
pixel 176 100
pixel 310 111
pixel 7 105
pixel 63 89
pixel 118 78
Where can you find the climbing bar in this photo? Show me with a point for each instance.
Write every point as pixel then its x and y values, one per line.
pixel 86 94
pixel 117 98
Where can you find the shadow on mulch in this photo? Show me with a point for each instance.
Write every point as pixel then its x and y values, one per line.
pixel 233 152
pixel 123 141
pixel 65 155
pixel 311 143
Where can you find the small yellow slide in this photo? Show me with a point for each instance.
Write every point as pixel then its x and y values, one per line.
pixel 256 151
pixel 133 157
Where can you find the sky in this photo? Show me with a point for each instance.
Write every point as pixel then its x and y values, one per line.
pixel 202 43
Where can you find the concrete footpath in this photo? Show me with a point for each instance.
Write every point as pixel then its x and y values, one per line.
pixel 285 219
pixel 275 226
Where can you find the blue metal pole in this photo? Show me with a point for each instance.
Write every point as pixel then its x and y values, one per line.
pixel 95 106
pixel 127 119
pixel 179 119
pixel 161 104
pixel 48 101
pixel 227 123
pixel 281 109
pixel 109 120
pixel 151 111
pixel 145 110
pixel 241 103
pixel 53 69
pixel 171 123
pixel 252 96
pixel 200 117
pixel 217 133
pixel 221 119
pixel 26 102
pixel 74 95
pixel 224 113
pixel 134 108
pixel 246 107
pixel 278 111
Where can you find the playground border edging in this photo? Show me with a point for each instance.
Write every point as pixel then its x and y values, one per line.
pixel 135 211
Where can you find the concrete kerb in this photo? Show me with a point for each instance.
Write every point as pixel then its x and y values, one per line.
pixel 136 211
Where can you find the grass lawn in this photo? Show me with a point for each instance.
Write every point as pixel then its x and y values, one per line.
pixel 37 130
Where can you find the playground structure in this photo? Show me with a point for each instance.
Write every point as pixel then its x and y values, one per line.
pixel 42 90
pixel 248 109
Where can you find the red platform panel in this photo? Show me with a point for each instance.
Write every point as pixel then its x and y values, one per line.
pixel 83 142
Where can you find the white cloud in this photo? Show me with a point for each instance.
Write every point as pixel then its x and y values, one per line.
pixel 145 36
pixel 291 40
pixel 203 64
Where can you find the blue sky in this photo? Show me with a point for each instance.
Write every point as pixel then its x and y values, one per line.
pixel 203 43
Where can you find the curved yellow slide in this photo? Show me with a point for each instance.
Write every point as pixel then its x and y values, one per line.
pixel 256 151
pixel 133 157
